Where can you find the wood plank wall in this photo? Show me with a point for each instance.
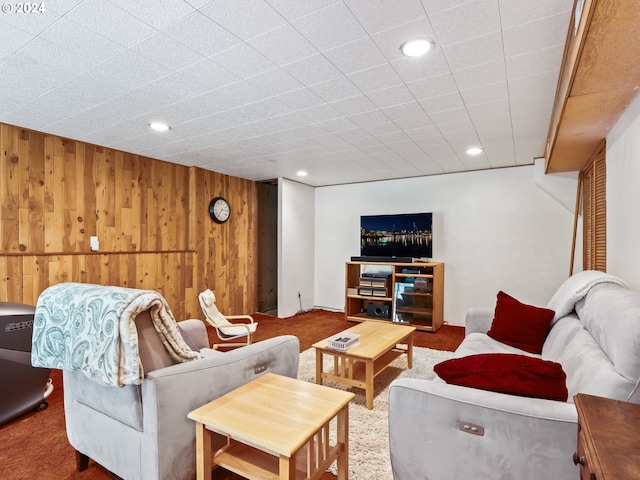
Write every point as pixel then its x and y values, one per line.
pixel 151 219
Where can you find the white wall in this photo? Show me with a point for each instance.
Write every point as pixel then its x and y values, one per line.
pixel 494 229
pixel 623 196
pixel 295 247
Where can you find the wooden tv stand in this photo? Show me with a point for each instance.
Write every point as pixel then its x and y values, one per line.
pixel 404 293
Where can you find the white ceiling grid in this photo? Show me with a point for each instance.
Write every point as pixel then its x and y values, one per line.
pixel 263 88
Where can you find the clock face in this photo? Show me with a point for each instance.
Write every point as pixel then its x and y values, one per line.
pixel 219 210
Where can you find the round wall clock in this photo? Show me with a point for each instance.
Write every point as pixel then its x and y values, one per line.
pixel 219 210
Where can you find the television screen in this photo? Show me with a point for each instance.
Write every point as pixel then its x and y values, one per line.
pixel 402 235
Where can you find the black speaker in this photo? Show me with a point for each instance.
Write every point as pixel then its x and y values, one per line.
pixel 378 310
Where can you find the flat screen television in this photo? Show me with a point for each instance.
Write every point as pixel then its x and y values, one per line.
pixel 401 235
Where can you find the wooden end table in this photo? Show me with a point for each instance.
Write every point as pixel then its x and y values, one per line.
pixel 277 428
pixel 359 365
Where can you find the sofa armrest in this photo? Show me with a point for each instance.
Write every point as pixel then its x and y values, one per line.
pixel 478 320
pixel 170 393
pixel 521 437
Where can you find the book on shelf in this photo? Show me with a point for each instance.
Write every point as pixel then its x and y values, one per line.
pixel 343 341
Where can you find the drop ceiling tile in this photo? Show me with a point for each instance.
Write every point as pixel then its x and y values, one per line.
pixel 375 78
pixel 473 52
pixel 478 111
pixel 456 119
pixel 275 82
pixel 293 9
pixel 378 15
pixel 12 39
pixel 311 70
pixel 111 22
pixel 419 134
pixel 283 45
pixel 389 97
pixel 471 20
pixel 157 14
pixel 442 103
pixel 301 99
pixel 359 138
pixel 538 35
pixel 244 18
pixel 129 70
pixel 494 129
pixel 208 74
pixel 372 117
pixel 355 56
pixel 392 137
pixel 201 34
pixel 382 128
pixel 543 60
pixel 243 60
pixel 541 86
pixel 407 115
pixel 433 86
pixel 330 27
pixel 519 13
pixel 167 51
pixel 321 113
pixel 354 105
pixel 336 89
pixel 435 6
pixel 485 94
pixel 481 75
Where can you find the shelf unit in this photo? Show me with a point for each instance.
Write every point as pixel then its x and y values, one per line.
pixel 413 293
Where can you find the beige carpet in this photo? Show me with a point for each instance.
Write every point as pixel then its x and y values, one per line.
pixel 368 431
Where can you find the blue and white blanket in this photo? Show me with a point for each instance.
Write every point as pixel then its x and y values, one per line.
pixel 91 328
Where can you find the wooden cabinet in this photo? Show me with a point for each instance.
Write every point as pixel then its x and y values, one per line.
pixel 607 438
pixel 404 293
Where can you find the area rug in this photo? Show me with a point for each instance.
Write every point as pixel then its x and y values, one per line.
pixel 368 429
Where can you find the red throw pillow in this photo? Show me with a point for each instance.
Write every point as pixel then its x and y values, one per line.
pixel 522 326
pixel 507 373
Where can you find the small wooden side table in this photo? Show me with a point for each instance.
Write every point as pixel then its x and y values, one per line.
pixel 277 428
pixel 607 438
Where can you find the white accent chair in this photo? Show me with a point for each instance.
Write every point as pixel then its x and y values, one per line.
pixel 226 329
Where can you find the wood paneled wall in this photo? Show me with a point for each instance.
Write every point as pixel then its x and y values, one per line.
pixel 151 219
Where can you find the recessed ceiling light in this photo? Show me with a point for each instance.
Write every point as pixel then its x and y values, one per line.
pixel 417 47
pixel 474 151
pixel 159 126
pixel 302 173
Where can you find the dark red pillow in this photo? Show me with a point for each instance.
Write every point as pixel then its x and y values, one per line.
pixel 522 326
pixel 507 373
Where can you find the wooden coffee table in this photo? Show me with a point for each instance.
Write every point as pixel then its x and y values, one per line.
pixel 277 428
pixel 359 365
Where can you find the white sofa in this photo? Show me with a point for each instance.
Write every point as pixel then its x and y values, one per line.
pixel 598 345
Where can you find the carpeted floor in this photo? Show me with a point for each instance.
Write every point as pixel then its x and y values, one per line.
pixel 35 445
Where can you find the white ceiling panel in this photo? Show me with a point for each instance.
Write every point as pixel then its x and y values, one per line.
pixel 264 88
